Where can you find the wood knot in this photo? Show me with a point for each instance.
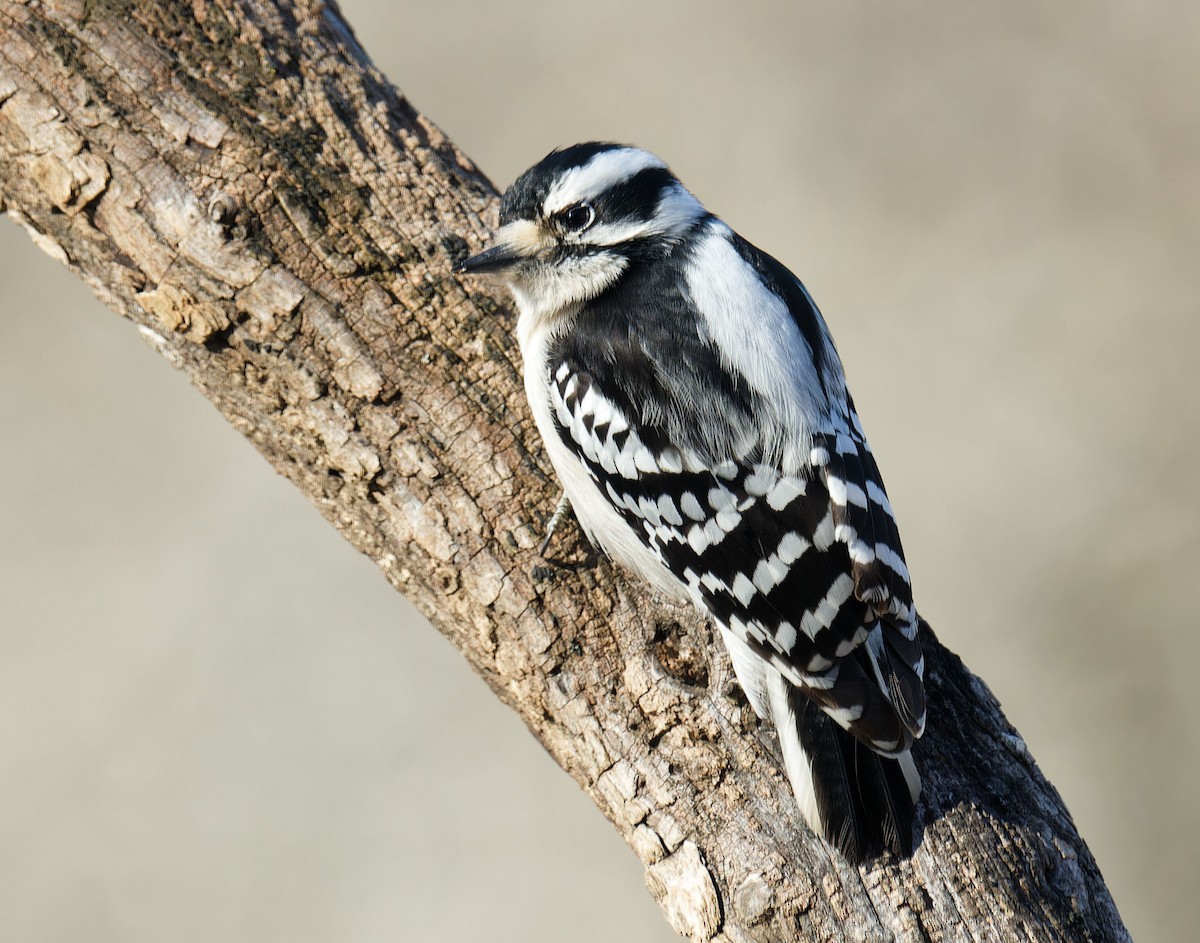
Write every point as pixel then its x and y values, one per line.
pixel 678 654
pixel 752 898
pixel 224 209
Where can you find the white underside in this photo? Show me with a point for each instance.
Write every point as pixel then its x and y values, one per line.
pixel 600 521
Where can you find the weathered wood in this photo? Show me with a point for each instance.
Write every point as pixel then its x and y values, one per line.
pixel 239 181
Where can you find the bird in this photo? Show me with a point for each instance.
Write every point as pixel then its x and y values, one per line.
pixel 695 410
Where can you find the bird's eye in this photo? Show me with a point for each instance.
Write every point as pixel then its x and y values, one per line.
pixel 577 218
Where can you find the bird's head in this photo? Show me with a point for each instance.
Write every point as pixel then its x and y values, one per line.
pixel 575 221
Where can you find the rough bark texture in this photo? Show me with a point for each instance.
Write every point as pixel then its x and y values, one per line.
pixel 238 180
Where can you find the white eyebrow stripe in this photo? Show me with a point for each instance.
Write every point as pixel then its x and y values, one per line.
pixel 605 170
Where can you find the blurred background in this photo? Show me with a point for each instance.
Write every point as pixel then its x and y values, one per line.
pixel 218 722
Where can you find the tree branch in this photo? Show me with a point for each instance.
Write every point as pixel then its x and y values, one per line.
pixel 240 181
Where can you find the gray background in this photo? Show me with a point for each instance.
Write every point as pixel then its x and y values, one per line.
pixel 218 723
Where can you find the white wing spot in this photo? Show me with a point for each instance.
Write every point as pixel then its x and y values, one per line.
pixel 670 461
pixel 855 495
pixel 608 461
pixel 784 492
pixel 602 410
pixel 860 553
pixel 759 481
pixel 876 494
pixel 727 469
pixel 697 539
pixel 721 499
pixel 713 531
pixel 714 583
pixel 727 520
pixel 791 548
pixel 668 511
pixel 827 609
pixel 769 573
pixel 643 459
pixel 626 466
pixel 846 646
pixel 893 560
pixel 648 509
pixel 691 507
pixel 785 636
pixel 743 589
pixel 823 535
pixel 666 535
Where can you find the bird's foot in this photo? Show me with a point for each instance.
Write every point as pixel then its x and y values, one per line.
pixel 561 510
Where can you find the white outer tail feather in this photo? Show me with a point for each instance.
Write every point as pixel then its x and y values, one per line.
pixel 795 758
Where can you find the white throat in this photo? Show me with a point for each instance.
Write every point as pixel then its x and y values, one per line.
pixel 548 293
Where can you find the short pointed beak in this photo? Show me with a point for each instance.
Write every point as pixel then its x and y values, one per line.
pixel 514 242
pixel 495 258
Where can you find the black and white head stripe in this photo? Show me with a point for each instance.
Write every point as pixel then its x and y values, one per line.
pixel 695 409
pixel 632 192
pixel 625 178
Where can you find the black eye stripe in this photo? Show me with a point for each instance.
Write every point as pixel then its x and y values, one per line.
pixel 635 198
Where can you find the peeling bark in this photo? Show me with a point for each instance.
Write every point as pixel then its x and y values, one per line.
pixel 238 180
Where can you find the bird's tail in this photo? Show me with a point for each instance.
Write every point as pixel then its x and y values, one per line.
pixel 860 801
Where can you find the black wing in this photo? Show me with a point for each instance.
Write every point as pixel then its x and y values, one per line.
pixel 803 567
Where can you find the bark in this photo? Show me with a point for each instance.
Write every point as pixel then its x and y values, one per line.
pixel 238 180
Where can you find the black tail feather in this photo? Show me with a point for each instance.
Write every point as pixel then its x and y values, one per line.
pixel 842 815
pixel 884 791
pixel 863 798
